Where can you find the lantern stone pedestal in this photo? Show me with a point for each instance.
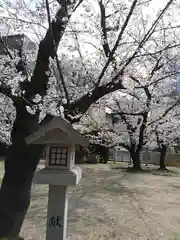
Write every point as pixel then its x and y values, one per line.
pixel 58 199
pixel 60 139
pixel 57 213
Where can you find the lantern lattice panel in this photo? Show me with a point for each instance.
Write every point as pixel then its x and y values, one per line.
pixel 58 156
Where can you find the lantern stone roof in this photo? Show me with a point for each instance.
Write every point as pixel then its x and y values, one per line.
pixel 54 131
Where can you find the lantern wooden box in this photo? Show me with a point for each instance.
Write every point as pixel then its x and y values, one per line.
pixel 60 156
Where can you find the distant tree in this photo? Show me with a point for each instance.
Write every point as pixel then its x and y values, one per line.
pixel 141 107
pixel 164 135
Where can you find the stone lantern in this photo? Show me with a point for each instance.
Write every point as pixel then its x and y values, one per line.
pixel 60 171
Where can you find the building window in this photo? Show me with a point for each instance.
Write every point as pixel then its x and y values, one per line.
pixel 58 156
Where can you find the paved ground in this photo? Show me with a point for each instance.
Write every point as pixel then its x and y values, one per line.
pixel 114 204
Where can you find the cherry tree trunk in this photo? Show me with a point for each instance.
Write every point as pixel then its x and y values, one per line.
pixel 20 165
pixel 135 156
pixel 163 152
pixel 15 191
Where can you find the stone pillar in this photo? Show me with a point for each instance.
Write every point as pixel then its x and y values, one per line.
pixel 57 213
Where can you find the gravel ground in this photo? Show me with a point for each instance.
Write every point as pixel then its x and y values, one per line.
pixel 114 204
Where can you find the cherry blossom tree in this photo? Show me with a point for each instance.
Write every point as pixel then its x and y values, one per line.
pixel 118 34
pixel 163 135
pixel 144 103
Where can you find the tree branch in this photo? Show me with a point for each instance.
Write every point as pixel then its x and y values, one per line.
pixel 4 89
pixel 103 28
pixel 176 103
pixel 56 56
pixel 145 113
pixel 84 102
pixel 143 41
pixel 128 114
pixel 111 54
pixel 39 80
pixel 157 52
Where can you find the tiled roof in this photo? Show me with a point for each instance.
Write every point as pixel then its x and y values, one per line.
pixel 14 42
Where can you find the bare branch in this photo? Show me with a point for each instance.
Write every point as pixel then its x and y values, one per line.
pixel 24 21
pixel 175 104
pixel 129 114
pixel 77 5
pixel 103 28
pixel 169 46
pixel 143 41
pixel 158 80
pixel 111 54
pixel 129 126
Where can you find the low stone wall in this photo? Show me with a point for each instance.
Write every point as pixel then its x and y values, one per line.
pixel 151 157
pixel 172 159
